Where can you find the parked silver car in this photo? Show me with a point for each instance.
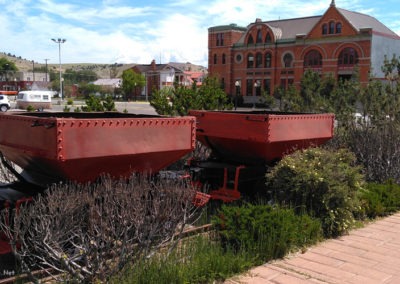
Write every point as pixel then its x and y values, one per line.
pixel 4 103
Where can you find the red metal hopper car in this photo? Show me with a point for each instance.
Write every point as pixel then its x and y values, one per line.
pixel 243 144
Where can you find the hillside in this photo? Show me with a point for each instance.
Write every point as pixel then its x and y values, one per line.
pixel 102 70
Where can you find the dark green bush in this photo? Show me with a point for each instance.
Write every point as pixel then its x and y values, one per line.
pixel 381 199
pixel 93 103
pixel 264 231
pixel 323 183
pixel 109 104
pixel 30 108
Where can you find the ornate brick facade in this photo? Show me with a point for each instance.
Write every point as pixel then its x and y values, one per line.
pixel 265 55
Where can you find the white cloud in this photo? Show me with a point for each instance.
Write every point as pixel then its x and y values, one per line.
pixel 127 31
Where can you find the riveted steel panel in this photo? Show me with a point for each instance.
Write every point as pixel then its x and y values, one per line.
pixel 260 136
pixel 82 146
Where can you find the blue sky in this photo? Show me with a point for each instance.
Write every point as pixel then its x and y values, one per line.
pixel 129 31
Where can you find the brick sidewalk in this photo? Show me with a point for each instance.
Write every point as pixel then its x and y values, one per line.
pixel 367 255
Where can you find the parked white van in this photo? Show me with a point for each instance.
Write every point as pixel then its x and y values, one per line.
pixel 36 99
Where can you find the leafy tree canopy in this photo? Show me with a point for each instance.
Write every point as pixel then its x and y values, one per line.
pixel 180 99
pixel 6 67
pixel 132 82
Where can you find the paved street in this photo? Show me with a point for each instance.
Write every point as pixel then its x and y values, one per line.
pixel 367 255
pixel 131 107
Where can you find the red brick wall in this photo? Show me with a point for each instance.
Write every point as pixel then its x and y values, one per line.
pixel 329 45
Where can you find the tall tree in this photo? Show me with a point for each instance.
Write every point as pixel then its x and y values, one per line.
pixel 7 68
pixel 310 90
pixel 132 83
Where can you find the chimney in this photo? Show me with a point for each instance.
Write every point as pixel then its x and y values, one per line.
pixel 153 65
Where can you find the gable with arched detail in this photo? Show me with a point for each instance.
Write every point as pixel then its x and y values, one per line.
pixel 268 38
pixel 259 38
pixel 331 28
pixel 260 34
pixel 250 40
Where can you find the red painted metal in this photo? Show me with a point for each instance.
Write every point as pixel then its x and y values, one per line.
pixel 80 147
pixel 225 192
pixel 245 142
pixel 260 136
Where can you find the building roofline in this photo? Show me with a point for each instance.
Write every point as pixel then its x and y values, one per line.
pixel 234 27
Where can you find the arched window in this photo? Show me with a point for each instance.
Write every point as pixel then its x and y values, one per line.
pixel 250 40
pixel 348 56
pixel 259 37
pixel 268 38
pixel 250 60
pixel 259 60
pixel 331 27
pixel 223 58
pixel 268 60
pixel 324 29
pixel 313 59
pixel 338 28
pixel 287 60
pixel 215 59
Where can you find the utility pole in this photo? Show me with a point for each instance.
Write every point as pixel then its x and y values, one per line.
pixel 46 70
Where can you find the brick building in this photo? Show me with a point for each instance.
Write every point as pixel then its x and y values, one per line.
pixel 159 76
pixel 268 54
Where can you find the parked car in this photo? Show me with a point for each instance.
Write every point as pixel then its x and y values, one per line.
pixel 4 103
pixel 37 99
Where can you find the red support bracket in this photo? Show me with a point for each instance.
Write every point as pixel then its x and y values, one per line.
pixel 225 193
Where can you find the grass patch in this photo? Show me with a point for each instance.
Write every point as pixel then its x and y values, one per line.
pixel 245 237
pixel 200 260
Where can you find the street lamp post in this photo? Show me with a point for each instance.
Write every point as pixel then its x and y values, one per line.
pixel 255 93
pixel 6 68
pixel 33 70
pixel 237 84
pixel 47 71
pixel 59 41
pixel 135 91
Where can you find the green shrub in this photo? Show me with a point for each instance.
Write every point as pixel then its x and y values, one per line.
pixel 109 104
pixel 30 108
pixel 70 102
pixel 264 231
pixel 323 183
pixel 381 199
pixel 93 103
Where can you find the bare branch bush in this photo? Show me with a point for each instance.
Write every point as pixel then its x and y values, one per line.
pixel 378 149
pixel 90 232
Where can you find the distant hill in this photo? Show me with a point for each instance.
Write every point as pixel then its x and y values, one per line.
pixel 102 70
